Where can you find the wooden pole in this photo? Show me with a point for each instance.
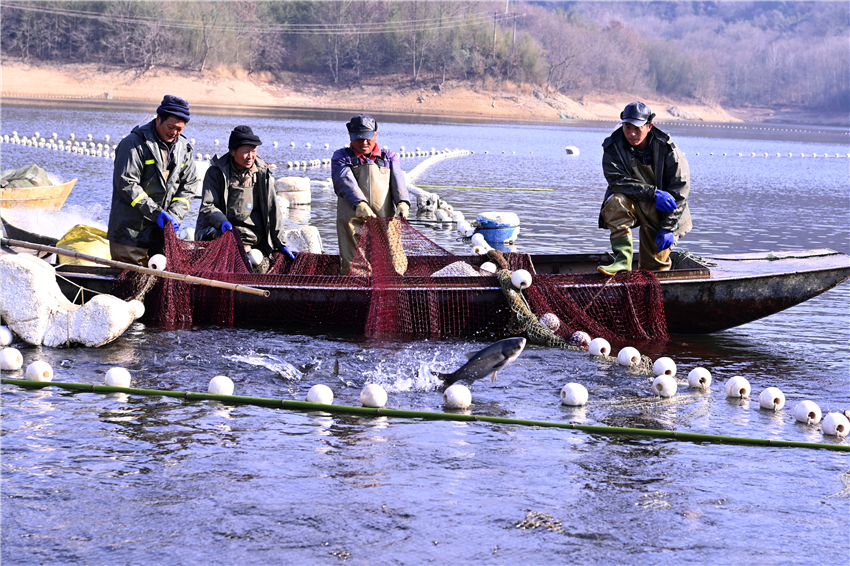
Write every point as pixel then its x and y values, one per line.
pixel 137 268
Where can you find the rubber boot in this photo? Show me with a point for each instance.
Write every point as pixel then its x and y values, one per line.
pixel 622 257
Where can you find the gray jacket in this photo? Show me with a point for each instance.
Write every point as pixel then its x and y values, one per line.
pixel 140 190
pixel 219 205
pixel 671 170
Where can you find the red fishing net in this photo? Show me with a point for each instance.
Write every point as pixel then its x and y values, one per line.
pixel 401 285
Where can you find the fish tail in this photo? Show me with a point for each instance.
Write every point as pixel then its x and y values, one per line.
pixel 447 378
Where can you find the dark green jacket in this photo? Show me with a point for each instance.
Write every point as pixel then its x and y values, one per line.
pixel 671 174
pixel 220 204
pixel 140 191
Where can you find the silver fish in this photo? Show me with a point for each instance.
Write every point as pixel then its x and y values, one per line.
pixel 486 362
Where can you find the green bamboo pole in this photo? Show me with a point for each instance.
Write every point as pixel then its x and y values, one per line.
pixel 486 188
pixel 306 406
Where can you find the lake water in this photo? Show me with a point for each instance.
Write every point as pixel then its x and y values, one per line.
pixel 93 479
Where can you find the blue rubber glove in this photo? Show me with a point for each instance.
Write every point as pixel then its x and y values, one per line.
pixel 664 201
pixel 664 239
pixel 163 216
pixel 226 226
pixel 287 252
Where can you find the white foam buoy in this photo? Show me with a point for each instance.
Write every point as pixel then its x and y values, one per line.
pixel 807 412
pixel 457 396
pixel 664 366
pixel 580 339
pixel 321 394
pixel 772 398
pixel 255 256
pixel 481 250
pixel 39 371
pixel 699 378
pixel 550 321
pixel 599 347
pixel 738 386
pixel 628 356
pixel 220 385
pixel 573 395
pixel 157 262
pixel 11 359
pixel 6 336
pixel 117 377
pixel 373 395
pixel 664 385
pixel 138 308
pixel 835 424
pixel 477 238
pixel 521 279
pixel 489 267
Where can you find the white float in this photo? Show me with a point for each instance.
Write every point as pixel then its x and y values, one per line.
pixel 628 356
pixel 664 385
pixel 39 371
pixel 477 239
pixel 489 267
pixel 807 412
pixel 573 395
pixel 457 396
pixel 481 250
pixel 220 385
pixel 6 336
pixel 521 279
pixel 580 339
pixel 738 386
pixel 255 256
pixel 320 393
pixel 550 321
pixel 772 398
pixel 664 366
pixel 11 359
pixel 835 424
pixel 599 347
pixel 117 377
pixel 699 378
pixel 158 262
pixel 138 308
pixel 373 395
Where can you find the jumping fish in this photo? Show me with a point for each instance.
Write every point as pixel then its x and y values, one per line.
pixel 486 362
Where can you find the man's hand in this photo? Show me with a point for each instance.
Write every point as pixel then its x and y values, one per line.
pixel 226 226
pixel 664 239
pixel 403 209
pixel 664 201
pixel 364 211
pixel 287 252
pixel 163 216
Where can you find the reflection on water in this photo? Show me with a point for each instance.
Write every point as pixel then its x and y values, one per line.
pixel 221 484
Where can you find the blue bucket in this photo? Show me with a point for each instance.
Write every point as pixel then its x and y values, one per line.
pixel 498 227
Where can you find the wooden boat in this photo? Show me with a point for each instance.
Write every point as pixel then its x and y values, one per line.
pixel 701 295
pixel 49 198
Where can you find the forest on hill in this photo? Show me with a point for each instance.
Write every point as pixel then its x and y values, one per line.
pixel 783 54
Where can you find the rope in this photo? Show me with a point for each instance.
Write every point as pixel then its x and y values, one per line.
pixel 346 409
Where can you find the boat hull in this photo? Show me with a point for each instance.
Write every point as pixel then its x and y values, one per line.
pixel 49 198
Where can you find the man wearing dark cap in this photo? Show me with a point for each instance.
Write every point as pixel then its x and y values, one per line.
pixel 153 183
pixel 648 185
pixel 239 195
pixel 369 182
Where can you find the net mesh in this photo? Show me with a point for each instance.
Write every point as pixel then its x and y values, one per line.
pixel 401 284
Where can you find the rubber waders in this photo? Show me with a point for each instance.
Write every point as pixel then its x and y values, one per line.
pixel 622 256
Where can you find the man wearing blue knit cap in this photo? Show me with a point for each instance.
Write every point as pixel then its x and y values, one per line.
pixel 153 183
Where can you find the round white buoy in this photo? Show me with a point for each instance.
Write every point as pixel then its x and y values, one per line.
pixel 550 321
pixel 274 144
pixel 580 339
pixel 573 395
pixel 117 377
pixel 457 396
pixel 664 385
pixel 39 371
pixel 521 279
pixel 738 386
pixel 469 231
pixel 320 393
pixel 481 250
pixel 220 385
pixel 157 262
pixel 215 142
pixel 628 356
pixel 373 395
pixel 664 366
pixel 6 336
pixel 11 359
pixel 599 347
pixel 255 256
pixel 457 216
pixel 462 225
pixel 807 412
pixel 138 308
pixel 699 378
pixel 489 267
pixel 292 144
pixel 477 238
pixel 772 398
pixel 835 424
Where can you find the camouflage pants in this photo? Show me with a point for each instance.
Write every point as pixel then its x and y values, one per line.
pixel 621 214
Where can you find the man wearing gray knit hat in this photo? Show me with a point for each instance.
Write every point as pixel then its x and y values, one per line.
pixel 153 183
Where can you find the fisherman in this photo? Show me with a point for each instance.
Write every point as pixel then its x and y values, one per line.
pixel 153 183
pixel 369 182
pixel 648 184
pixel 239 194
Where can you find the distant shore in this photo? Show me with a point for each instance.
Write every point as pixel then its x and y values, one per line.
pixel 222 92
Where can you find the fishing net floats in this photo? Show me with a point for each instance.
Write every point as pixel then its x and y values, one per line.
pixel 425 415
